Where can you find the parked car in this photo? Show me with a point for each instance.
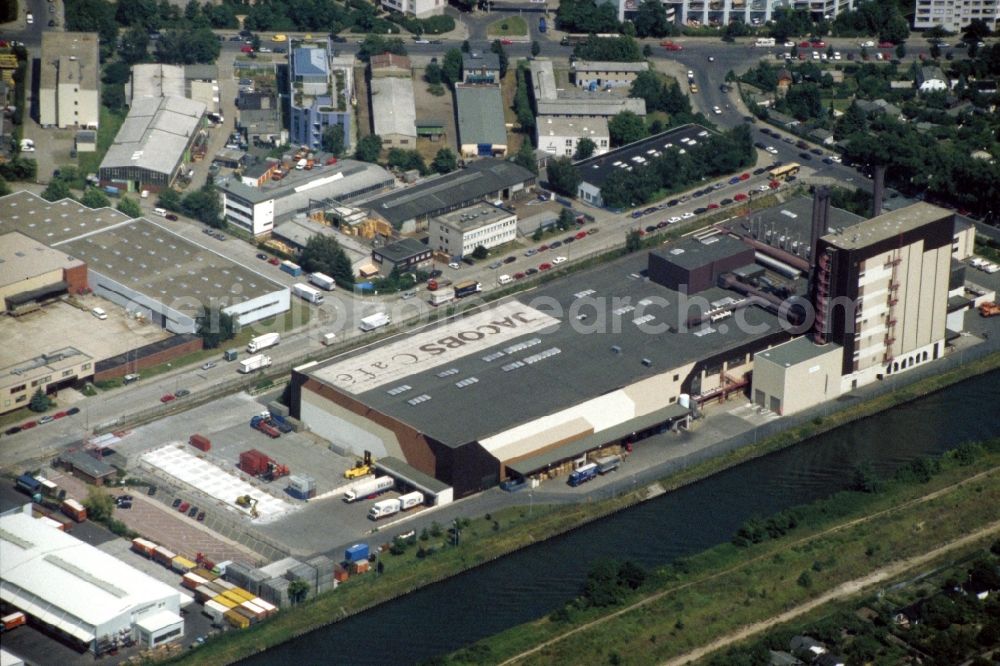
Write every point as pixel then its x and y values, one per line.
pixel 46 419
pixel 167 398
pixel 193 511
pixel 509 260
pixel 262 256
pixel 183 507
pixel 201 516
pixel 544 266
pixel 181 393
pixel 177 503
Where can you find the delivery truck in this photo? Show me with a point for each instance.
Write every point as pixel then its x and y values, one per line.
pixel 441 296
pixel 254 363
pixel 328 339
pixel 410 500
pixel 583 474
pixel 323 281
pixel 467 288
pixel 368 487
pixel 263 342
pixel 384 508
pixel 608 464
pixel 74 510
pixel 371 322
pixel 307 293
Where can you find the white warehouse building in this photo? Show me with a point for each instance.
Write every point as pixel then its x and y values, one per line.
pixel 460 232
pixel 80 592
pixel 560 136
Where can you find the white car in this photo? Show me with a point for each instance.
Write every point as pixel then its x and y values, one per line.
pixel 815 55
pixel 674 220
pixel 789 45
pixel 867 45
pixel 687 216
pixel 421 41
pixel 454 265
pixel 764 188
pixel 836 55
pixel 835 158
pixel 716 110
pixel 772 150
pixel 558 260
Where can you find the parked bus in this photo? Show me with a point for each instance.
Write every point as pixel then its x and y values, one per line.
pixel 783 172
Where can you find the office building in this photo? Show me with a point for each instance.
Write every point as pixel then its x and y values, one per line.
pixel 460 232
pixel 69 88
pixel 955 15
pixel 320 88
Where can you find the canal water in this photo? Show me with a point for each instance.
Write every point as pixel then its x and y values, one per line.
pixel 534 581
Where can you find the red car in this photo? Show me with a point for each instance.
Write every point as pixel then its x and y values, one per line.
pixel 167 398
pixel 518 276
pixel 274 261
pixel 804 45
pixel 740 197
pixel 544 267
pixel 543 248
pixel 184 507
pixel 744 176
pixel 506 42
pixel 246 49
pixel 712 206
pixel 885 45
pixel 581 234
pixel 818 44
pixel 773 184
pixel 28 425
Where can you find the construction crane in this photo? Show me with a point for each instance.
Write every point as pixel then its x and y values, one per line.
pixel 248 502
pixel 361 468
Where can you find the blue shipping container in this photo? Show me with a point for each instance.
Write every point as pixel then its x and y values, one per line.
pixel 28 484
pixel 356 553
pixel 290 268
pixel 297 494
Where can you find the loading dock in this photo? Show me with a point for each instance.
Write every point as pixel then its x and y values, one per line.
pixel 437 492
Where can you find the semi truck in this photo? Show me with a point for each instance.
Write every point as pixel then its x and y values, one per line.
pixel 583 474
pixel 368 487
pixel 371 322
pixel 467 288
pixel 307 293
pixel 263 342
pixel 254 363
pixel 441 296
pixel 383 509
pixel 410 500
pixel 323 281
pixel 608 464
pixel 764 41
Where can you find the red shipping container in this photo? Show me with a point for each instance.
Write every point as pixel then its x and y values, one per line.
pixel 253 462
pixel 200 442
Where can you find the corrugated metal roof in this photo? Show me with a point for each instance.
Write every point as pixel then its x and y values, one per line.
pixel 480 115
pixel 393 108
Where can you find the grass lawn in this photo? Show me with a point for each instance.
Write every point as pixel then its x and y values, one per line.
pixel 514 26
pixel 110 124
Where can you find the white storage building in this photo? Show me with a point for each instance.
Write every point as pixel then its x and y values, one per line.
pixel 80 592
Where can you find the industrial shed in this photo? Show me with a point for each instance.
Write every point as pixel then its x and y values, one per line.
pixel 81 594
pixel 692 265
pixel 481 128
pixel 394 114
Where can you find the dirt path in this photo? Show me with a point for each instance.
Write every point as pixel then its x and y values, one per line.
pixel 799 609
pixel 843 590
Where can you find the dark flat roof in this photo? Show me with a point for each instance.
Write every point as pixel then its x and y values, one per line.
pixel 596 170
pixel 691 253
pixel 402 250
pixel 87 463
pixel 584 367
pixel 444 193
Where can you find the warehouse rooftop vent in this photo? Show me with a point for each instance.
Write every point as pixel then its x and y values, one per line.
pixel 646 362
pixel 616 349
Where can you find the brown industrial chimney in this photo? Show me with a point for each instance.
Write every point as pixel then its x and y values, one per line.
pixel 820 219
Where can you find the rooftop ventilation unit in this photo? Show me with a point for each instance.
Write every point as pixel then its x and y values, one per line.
pixel 646 362
pixel 616 349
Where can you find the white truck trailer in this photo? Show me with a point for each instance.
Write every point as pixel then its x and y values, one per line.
pixel 307 293
pixel 383 509
pixel 254 363
pixel 441 296
pixel 367 487
pixel 323 281
pixel 410 500
pixel 263 342
pixel 371 322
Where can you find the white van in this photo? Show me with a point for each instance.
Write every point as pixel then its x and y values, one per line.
pixel 505 279
pixel 162 212
pixel 99 313
pixel 144 194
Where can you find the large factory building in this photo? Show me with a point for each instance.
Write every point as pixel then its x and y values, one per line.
pixel 535 383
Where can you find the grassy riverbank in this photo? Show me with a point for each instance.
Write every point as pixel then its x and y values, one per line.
pixel 485 539
pixel 843 538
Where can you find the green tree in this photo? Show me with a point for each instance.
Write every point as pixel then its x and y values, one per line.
pixel 406 160
pixel 522 100
pixel 480 253
pixel 651 19
pixel 633 240
pixel 466 47
pixel 169 199
pixel 525 157
pixel 497 47
pixel 134 46
pixel 94 198
pixel 141 14
pixel 332 139
pixel 323 254
pixel 626 127
pixel 297 590
pixel 585 148
pixel 100 505
pixel 536 48
pixel 566 219
pixel 4 188
pixel 865 479
pixel 369 148
pixel 445 161
pixel 203 204
pixel 39 401
pixel 433 74
pixel 215 327
pixel 562 176
pixel 901 50
pixel 130 207
pixel 94 16
pixel 451 68
pixel 187 47
pixel 537 236
pixel 853 120
pixel 56 189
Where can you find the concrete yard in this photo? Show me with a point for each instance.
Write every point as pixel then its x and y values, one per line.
pixel 45 330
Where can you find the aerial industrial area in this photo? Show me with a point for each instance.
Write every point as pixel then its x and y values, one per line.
pixel 307 299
